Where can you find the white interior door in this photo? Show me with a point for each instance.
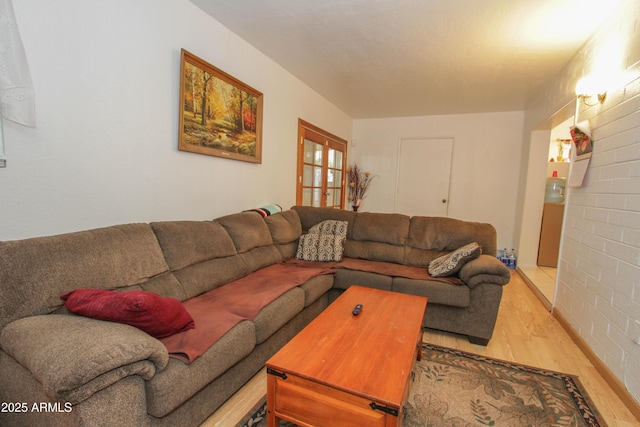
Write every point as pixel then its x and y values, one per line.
pixel 424 171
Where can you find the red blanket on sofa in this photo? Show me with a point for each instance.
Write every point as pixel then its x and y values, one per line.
pixel 220 309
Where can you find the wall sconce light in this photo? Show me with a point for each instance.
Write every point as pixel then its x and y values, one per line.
pixel 589 90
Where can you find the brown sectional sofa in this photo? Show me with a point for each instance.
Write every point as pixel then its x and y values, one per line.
pixel 469 310
pixel 59 369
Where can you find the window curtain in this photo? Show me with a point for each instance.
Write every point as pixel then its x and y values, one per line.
pixel 16 89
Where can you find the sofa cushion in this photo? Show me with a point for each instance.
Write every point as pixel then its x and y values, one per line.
pixel 157 316
pixel 331 227
pixel 374 251
pixel 394 270
pixel 437 292
pixel 186 243
pixel 381 227
pixel 165 284
pixel 277 313
pixel 310 216
pixel 261 257
pixel 450 264
pixel 316 287
pixel 218 311
pixel 178 382
pixel 247 230
pixel 447 234
pixel 285 227
pixel 421 257
pixel 345 278
pixel 35 272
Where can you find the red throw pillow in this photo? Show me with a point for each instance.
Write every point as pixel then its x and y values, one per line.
pixel 156 315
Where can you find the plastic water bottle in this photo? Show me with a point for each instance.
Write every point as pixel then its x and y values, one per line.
pixel 505 257
pixel 513 261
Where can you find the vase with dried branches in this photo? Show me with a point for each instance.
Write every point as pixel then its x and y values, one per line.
pixel 359 183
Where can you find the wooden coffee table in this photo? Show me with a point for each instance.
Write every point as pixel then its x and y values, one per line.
pixel 346 370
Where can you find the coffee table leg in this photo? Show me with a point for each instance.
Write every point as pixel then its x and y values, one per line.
pixel 271 393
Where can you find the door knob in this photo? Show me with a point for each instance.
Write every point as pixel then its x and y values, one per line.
pixel 444 200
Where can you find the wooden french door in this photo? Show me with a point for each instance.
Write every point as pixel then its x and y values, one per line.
pixel 321 167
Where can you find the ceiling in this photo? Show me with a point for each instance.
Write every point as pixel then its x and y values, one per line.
pixel 392 58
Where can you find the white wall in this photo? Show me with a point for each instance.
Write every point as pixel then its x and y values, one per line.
pixel 598 289
pixel 485 164
pixel 106 78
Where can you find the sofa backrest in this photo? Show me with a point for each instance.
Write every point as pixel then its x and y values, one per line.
pixel 285 229
pixel 310 216
pixel 378 237
pixel 177 259
pixel 206 254
pixel 399 238
pixel 198 253
pixel 252 239
pixel 430 237
pixel 35 272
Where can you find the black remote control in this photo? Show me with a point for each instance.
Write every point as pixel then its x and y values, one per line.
pixel 357 309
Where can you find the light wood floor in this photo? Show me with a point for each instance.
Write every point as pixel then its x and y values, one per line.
pixel 525 333
pixel 544 280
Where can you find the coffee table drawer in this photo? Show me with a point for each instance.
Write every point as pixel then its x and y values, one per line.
pixel 306 402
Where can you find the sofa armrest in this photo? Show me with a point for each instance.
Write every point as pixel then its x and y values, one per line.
pixel 73 356
pixel 484 269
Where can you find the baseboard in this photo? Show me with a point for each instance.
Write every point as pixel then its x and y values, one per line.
pixel 617 386
pixel 535 290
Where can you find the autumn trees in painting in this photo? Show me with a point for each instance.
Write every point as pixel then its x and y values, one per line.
pixel 220 115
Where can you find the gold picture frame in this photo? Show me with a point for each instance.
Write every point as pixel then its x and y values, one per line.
pixel 219 115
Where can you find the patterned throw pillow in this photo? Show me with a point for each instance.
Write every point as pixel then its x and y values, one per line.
pixel 450 264
pixel 330 226
pixel 324 242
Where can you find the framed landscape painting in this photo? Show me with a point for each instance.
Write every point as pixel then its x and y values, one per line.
pixel 219 115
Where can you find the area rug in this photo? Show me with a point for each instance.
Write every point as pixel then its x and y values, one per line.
pixel 455 388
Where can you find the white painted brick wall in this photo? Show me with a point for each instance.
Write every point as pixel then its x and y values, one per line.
pixel 600 259
pixel 599 270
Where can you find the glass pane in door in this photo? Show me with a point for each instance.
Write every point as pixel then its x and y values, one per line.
pixel 337 197
pixel 331 177
pixel 309 151
pixel 334 175
pixel 307 176
pixel 317 176
pixel 317 155
pixel 337 177
pixel 317 197
pixel 306 197
pixel 312 173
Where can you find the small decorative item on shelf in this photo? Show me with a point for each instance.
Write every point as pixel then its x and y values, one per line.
pixel 358 185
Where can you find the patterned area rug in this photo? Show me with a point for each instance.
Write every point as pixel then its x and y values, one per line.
pixel 459 389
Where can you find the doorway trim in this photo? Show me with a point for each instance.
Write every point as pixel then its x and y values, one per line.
pixel 529 237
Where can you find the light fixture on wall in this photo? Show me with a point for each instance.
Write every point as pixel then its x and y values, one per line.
pixel 590 91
